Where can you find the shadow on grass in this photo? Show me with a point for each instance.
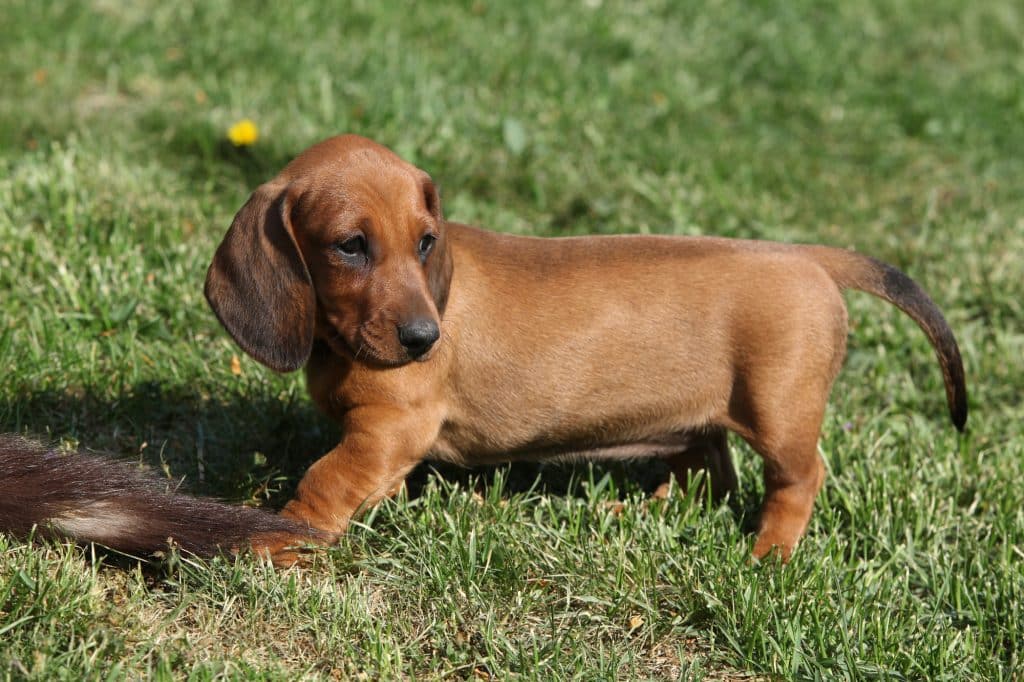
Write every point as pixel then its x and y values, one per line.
pixel 246 448
pixel 225 445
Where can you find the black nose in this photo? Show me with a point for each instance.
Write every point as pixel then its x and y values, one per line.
pixel 418 336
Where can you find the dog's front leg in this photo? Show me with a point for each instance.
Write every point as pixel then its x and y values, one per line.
pixel 381 445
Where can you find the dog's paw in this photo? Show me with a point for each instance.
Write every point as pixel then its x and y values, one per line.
pixel 291 549
pixel 284 553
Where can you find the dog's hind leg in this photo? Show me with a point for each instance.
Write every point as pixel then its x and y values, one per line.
pixel 707 452
pixel 793 474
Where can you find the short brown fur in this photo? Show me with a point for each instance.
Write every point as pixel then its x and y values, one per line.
pixel 598 346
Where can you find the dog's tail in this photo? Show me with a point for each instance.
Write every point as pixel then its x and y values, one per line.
pixel 90 498
pixel 852 270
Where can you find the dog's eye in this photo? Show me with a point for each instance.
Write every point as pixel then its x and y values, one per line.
pixel 356 246
pixel 426 244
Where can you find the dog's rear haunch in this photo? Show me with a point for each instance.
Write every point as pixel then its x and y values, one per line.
pixel 426 339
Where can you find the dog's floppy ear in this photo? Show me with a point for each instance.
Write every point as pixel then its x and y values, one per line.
pixel 258 284
pixel 439 273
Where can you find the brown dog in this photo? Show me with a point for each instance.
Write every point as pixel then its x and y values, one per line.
pixel 428 339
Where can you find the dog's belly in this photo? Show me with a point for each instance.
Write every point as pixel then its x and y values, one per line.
pixel 567 422
pixel 445 450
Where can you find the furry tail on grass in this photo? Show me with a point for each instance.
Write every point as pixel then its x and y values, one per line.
pixel 91 498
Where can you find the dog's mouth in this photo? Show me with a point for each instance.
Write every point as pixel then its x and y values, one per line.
pixel 367 347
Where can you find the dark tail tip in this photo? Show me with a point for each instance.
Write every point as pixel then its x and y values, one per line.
pixel 958 401
pixel 909 297
pixel 952 369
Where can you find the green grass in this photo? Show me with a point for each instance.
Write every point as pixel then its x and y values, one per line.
pixel 894 128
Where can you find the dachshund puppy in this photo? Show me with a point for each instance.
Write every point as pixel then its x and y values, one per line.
pixel 426 339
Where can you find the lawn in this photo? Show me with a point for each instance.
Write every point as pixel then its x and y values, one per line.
pixel 894 128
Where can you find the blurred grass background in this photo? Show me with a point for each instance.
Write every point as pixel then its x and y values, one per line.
pixel 896 128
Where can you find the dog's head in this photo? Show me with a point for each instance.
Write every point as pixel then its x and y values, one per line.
pixel 347 244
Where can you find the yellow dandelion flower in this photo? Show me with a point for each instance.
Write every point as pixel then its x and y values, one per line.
pixel 243 133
